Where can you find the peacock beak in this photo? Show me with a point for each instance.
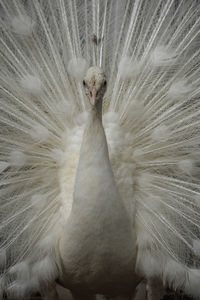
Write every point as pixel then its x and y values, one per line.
pixel 93 96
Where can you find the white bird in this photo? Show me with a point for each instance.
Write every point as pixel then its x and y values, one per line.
pixel 99 152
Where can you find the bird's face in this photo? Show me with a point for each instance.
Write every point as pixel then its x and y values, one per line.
pixel 94 84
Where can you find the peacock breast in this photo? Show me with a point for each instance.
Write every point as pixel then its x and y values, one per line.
pixel 99 256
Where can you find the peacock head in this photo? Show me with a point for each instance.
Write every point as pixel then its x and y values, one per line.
pixel 95 84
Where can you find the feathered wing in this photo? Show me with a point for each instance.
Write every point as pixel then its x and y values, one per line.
pixel 150 52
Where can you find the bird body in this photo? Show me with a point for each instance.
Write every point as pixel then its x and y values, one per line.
pixel 101 233
pixel 99 147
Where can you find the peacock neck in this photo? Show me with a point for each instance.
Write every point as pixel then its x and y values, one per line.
pixel 94 165
pixel 94 142
pixel 95 112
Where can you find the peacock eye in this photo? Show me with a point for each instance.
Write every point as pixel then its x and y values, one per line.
pixel 84 83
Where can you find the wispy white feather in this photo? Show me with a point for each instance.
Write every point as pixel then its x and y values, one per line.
pixel 128 68
pixel 23 25
pixel 45 269
pixel 31 84
pixel 17 158
pixel 39 132
pixel 77 67
pixel 179 89
pixel 162 56
pixel 21 270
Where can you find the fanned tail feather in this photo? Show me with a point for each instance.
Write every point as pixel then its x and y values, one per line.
pixel 150 53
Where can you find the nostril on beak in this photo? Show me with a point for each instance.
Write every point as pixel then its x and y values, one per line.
pixel 90 94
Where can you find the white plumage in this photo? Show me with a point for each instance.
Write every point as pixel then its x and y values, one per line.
pixel 115 220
